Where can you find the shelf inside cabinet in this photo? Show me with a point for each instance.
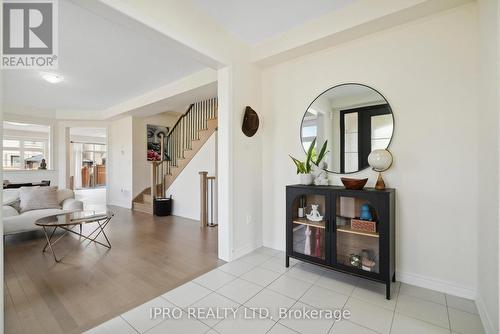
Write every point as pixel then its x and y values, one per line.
pixel 305 221
pixel 347 229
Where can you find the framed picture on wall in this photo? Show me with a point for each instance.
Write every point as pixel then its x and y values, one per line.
pixel 157 142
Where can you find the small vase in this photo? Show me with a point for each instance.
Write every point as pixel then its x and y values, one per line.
pixel 306 179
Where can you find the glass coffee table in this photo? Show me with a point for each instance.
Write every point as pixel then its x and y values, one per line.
pixel 69 221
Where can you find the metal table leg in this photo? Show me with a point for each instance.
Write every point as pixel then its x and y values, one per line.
pixel 49 243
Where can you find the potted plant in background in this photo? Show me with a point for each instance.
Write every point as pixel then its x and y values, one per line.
pixel 304 167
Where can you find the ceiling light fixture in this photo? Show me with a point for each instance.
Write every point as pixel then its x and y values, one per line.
pixel 51 77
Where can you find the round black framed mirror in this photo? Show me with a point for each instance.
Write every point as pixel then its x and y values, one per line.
pixel 355 119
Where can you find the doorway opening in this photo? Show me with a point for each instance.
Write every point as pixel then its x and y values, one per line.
pixel 88 173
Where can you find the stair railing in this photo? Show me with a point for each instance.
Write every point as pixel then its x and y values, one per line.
pixel 186 129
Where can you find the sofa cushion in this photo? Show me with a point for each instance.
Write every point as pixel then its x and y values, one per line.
pixel 26 221
pixel 8 211
pixel 34 198
pixel 10 196
pixel 63 194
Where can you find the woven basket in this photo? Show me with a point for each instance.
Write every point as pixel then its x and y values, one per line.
pixel 363 225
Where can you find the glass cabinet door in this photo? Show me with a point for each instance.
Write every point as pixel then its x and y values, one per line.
pixel 357 234
pixel 309 226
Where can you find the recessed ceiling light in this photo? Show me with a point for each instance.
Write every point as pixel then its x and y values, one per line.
pixel 51 77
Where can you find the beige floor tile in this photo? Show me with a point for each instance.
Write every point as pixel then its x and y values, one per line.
pixel 461 304
pixel 422 293
pixel 140 317
pixel 423 310
pixel 272 301
pixel 186 294
pixel 347 327
pixel 320 297
pixel 260 276
pixel 236 267
pixel 305 325
pixel 369 315
pixel 280 329
pixel 339 282
pixel 113 326
pixel 465 322
pixel 244 324
pixel 290 287
pixel 239 290
pixel 374 293
pixel 406 325
pixel 214 279
pixel 212 303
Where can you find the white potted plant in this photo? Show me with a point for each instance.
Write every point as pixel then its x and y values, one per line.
pixel 304 167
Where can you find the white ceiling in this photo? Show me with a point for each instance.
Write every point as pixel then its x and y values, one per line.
pixel 104 62
pixel 26 127
pixel 255 21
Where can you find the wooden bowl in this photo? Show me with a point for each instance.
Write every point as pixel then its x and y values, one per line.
pixel 353 184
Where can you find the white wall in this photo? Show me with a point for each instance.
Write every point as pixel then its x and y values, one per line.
pixel 185 190
pixel 120 162
pixel 488 116
pixel 25 176
pixel 239 163
pixel 427 70
pixel 141 166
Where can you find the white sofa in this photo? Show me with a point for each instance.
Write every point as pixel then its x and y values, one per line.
pixel 15 222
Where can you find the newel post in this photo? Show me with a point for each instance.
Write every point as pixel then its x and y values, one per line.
pixel 203 199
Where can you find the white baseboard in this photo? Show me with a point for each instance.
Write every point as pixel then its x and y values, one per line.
pixel 489 328
pixel 436 284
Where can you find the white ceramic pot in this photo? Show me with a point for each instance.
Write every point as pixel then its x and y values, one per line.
pixel 306 179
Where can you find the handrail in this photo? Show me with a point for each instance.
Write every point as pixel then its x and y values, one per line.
pixel 187 128
pixel 179 120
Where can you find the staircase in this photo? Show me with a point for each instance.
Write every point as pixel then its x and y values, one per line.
pixel 187 137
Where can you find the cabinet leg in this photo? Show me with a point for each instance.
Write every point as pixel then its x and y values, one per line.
pixel 287 262
pixel 388 291
pixel 394 278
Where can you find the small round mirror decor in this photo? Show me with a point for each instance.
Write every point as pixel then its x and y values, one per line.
pixel 354 119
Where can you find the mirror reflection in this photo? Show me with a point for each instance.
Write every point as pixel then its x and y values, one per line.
pixel 355 119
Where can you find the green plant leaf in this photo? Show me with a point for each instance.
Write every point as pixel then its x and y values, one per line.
pixel 299 164
pixel 309 156
pixel 322 153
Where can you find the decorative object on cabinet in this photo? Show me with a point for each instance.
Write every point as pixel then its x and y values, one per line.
pixel 250 122
pixel 365 212
pixel 307 247
pixel 363 225
pixel 336 242
pixel 314 214
pixel 353 131
pixel 355 260
pixel 319 174
pixel 380 161
pixel 304 167
pixel 353 184
pixel 302 206
pixel 367 262
pixel 317 251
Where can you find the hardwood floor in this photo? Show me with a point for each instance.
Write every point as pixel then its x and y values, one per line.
pixel 149 256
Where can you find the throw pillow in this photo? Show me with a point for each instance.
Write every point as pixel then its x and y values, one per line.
pixel 10 196
pixel 35 198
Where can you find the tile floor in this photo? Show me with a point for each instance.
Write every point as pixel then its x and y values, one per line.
pixel 260 279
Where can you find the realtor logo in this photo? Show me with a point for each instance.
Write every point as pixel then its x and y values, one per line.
pixel 29 34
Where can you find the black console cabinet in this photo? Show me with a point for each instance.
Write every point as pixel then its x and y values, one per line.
pixel 355 235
